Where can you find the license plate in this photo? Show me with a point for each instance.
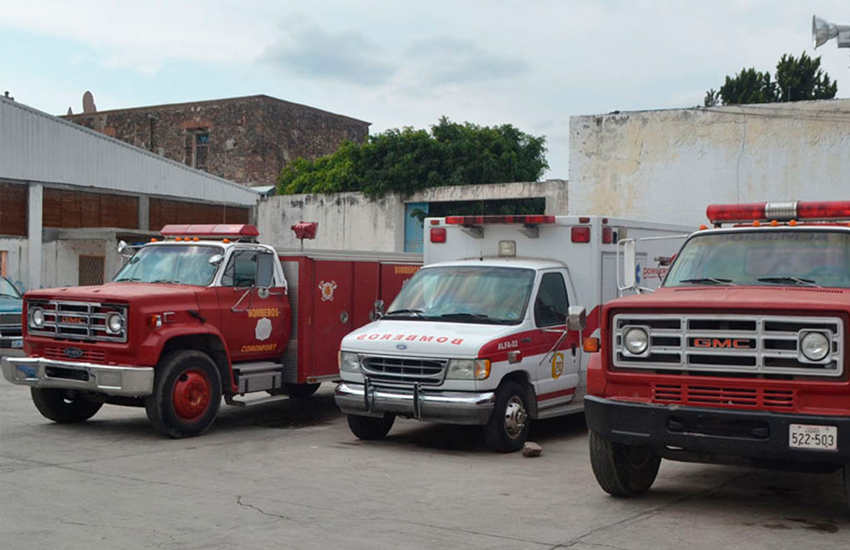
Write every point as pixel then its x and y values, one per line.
pixel 817 438
pixel 17 344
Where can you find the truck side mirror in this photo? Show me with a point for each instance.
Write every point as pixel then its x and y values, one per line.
pixel 629 264
pixel 122 246
pixel 577 318
pixel 215 260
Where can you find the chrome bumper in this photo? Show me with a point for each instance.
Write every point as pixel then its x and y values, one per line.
pixel 39 372
pixel 438 406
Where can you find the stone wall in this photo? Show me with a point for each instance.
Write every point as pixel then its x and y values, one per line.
pixel 250 139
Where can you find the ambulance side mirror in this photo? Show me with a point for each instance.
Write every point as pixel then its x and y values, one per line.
pixel 629 264
pixel 377 310
pixel 577 318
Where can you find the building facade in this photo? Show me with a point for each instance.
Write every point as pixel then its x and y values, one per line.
pixel 246 139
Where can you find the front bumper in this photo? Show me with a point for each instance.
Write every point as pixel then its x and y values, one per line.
pixel 450 407
pixel 39 372
pixel 712 435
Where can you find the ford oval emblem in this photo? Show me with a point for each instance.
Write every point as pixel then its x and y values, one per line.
pixel 73 353
pixel 402 347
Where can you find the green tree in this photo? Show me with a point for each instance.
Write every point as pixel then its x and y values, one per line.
pixel 795 80
pixel 407 160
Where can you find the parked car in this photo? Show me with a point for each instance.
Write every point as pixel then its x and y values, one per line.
pixel 11 302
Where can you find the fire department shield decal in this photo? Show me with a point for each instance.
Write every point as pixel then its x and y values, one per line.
pixel 557 365
pixel 327 289
pixel 263 329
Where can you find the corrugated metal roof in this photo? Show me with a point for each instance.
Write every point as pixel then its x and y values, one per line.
pixel 38 147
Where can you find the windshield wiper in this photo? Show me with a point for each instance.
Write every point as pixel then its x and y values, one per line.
pixel 708 281
pixel 472 317
pixel 410 312
pixel 130 279
pixel 785 280
pixel 166 281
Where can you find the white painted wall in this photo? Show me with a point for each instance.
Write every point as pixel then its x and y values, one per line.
pixel 16 259
pixel 347 221
pixel 669 165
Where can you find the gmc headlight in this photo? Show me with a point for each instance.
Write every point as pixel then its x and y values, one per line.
pixel 468 369
pixel 37 317
pixel 114 323
pixel 815 346
pixel 636 340
pixel 349 362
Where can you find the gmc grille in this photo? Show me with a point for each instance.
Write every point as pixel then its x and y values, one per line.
pixel 748 346
pixel 403 370
pixel 77 320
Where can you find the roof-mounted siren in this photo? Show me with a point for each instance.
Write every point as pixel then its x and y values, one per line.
pixel 778 211
pixel 305 230
pixel 474 224
pixel 823 30
pixel 236 232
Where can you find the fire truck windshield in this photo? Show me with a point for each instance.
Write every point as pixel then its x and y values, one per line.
pixel 465 294
pixel 178 264
pixel 792 257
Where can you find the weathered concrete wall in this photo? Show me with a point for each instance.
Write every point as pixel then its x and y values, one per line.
pixel 250 138
pixel 554 191
pixel 669 165
pixel 347 221
pixel 16 258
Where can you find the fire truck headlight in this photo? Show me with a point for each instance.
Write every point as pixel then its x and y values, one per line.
pixel 349 362
pixel 815 346
pixel 636 340
pixel 114 323
pixel 468 369
pixel 37 317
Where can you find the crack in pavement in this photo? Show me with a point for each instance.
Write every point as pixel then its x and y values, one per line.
pixel 260 510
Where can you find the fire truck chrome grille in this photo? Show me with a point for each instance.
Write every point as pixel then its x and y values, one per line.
pixel 749 346
pixel 77 320
pixel 723 396
pixel 85 356
pixel 403 370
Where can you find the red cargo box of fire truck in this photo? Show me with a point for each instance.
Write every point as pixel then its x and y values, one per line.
pixel 205 313
pixel 741 356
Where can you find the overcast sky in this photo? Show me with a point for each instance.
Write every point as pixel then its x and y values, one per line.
pixel 396 63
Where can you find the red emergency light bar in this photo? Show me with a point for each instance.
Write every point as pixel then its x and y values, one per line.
pixel 780 211
pixel 219 231
pixel 534 219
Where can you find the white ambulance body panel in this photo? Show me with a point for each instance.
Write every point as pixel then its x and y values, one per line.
pixel 412 361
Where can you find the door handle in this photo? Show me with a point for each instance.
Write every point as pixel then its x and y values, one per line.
pixel 343 317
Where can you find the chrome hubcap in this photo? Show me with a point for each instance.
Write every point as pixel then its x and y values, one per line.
pixel 515 417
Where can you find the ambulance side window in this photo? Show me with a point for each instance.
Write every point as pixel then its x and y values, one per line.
pixel 241 270
pixel 551 305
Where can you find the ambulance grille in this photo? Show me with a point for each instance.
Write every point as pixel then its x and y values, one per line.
pixel 749 346
pixel 403 370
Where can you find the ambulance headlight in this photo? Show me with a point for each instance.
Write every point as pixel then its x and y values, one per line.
pixel 37 317
pixel 349 362
pixel 815 346
pixel 636 341
pixel 468 369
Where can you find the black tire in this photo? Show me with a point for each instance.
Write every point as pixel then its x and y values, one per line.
pixel 622 470
pixel 64 406
pixel 370 428
pixel 186 395
pixel 301 391
pixel 507 429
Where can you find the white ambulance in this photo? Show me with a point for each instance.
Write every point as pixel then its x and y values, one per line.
pixel 492 331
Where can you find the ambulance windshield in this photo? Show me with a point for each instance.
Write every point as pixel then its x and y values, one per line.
pixel 465 294
pixel 178 264
pixel 794 257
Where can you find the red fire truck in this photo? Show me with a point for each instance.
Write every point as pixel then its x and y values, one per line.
pixel 207 312
pixel 740 357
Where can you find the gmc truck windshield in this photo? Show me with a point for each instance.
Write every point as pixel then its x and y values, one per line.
pixel 463 294
pixel 179 264
pixel 778 257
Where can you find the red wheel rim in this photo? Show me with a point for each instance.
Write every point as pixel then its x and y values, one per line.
pixel 192 395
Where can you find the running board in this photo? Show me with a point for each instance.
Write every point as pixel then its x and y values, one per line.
pixel 233 402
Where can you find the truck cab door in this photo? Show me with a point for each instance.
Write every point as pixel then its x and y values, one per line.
pixel 253 306
pixel 558 371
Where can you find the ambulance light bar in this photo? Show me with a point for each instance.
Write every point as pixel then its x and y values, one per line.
pixel 218 231
pixel 534 219
pixel 779 211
